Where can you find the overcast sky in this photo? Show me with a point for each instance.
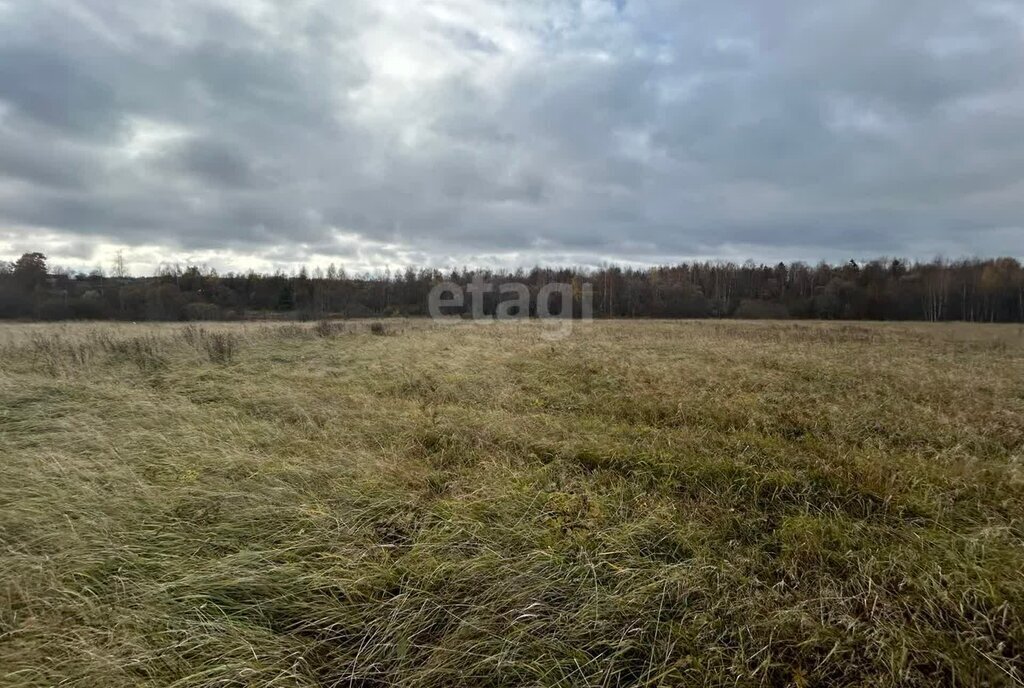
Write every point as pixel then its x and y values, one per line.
pixel 243 133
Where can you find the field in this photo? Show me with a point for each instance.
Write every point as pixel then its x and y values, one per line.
pixel 642 503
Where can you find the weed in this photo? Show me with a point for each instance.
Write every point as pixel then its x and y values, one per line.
pixel 221 347
pixel 325 328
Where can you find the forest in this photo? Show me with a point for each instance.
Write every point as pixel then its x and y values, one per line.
pixel 971 290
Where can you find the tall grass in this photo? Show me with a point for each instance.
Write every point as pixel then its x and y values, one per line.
pixel 654 503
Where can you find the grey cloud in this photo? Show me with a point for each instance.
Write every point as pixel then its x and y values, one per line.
pixel 60 164
pixel 51 89
pixel 545 130
pixel 216 162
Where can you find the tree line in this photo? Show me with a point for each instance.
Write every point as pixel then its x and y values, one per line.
pixel 969 290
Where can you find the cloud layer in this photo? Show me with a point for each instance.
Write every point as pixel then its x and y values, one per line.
pixel 374 132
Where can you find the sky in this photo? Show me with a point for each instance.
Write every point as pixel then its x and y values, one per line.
pixel 253 134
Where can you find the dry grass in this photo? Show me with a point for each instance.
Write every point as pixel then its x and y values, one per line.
pixel 644 503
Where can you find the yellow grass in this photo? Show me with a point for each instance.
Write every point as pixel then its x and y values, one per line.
pixel 642 503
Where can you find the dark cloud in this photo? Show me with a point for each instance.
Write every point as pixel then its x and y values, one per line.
pixel 475 130
pixel 49 88
pixel 215 162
